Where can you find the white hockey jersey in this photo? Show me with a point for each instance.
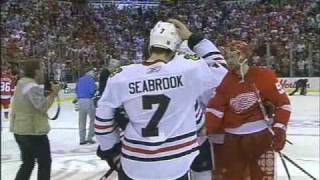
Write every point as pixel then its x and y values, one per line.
pixel 160 140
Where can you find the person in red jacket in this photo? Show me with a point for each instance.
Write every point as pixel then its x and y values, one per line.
pixel 240 107
pixel 7 89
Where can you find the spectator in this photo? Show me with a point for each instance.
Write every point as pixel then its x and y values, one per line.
pixel 29 31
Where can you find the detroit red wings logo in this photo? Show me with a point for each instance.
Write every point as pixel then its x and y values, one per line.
pixel 243 102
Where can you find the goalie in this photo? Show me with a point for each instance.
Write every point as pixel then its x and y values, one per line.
pixel 250 135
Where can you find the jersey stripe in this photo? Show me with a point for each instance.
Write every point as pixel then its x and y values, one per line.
pixel 103 126
pixel 210 54
pixel 102 119
pixel 215 112
pixel 286 107
pixel 97 132
pixel 177 138
pixel 170 148
pixel 174 156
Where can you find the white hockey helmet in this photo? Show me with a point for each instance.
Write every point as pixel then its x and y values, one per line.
pixel 164 35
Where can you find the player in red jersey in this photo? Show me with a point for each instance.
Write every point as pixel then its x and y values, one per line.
pixel 251 136
pixel 7 89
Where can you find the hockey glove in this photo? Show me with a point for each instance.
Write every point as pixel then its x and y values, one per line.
pixel 121 118
pixel 112 156
pixel 270 108
pixel 279 139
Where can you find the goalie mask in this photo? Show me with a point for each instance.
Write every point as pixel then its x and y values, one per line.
pixel 237 54
pixel 164 35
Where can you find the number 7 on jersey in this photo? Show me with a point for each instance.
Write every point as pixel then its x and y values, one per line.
pixel 147 100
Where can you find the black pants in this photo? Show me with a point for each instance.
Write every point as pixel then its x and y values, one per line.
pixel 34 148
pixel 303 90
pixel 122 176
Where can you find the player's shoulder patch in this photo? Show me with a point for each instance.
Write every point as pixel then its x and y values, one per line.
pixel 192 57
pixel 116 71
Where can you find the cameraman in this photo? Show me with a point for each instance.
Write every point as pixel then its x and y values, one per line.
pixel 29 121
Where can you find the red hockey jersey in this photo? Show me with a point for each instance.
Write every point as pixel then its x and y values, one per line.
pixel 7 85
pixel 235 104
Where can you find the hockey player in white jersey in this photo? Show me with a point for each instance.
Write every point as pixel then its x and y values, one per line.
pixel 160 140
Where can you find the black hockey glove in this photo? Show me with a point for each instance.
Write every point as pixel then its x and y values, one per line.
pixel 121 118
pixel 112 156
pixel 270 108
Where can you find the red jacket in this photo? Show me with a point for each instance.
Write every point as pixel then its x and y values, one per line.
pixel 235 102
pixel 7 85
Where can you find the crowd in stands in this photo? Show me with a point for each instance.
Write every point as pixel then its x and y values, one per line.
pixel 69 37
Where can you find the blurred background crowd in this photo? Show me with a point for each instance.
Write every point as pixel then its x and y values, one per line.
pixel 69 36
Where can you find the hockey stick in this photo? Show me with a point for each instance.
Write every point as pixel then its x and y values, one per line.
pixel 297 166
pixel 289 142
pixel 212 158
pixel 285 166
pixel 264 112
pixel 110 171
pixel 263 109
